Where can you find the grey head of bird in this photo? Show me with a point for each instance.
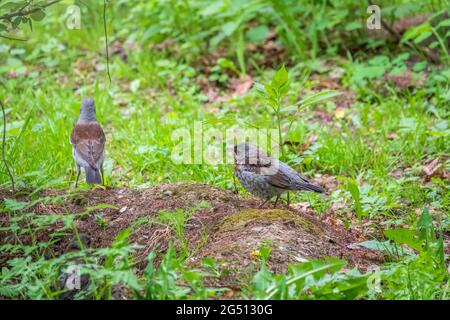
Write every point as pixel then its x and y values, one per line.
pixel 88 112
pixel 249 155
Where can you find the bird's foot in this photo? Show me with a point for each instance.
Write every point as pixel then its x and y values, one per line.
pixel 99 186
pixel 263 204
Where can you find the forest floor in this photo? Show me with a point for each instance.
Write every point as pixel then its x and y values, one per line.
pixel 380 149
pixel 222 225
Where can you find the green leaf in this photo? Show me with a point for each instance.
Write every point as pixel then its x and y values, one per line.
pixel 280 81
pixel 3 27
pixel 15 23
pixel 443 23
pixel 38 15
pixel 314 268
pixel 354 25
pixel 384 246
pixel 121 238
pixel 263 279
pixel 404 236
pixel 13 205
pixel 12 6
pixel 257 35
pixel 229 27
pixel 422 37
pixel 227 64
pixel 415 32
pixel 352 187
pixel 265 252
pixel 317 97
pixel 288 109
pixel 425 227
pixel 434 44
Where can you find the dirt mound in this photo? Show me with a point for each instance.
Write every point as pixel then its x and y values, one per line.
pixel 293 238
pixel 226 226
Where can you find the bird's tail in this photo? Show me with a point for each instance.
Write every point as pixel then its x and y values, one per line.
pixel 93 176
pixel 311 187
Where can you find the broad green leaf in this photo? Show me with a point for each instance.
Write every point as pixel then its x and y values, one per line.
pixel 317 97
pixel 443 23
pixel 257 35
pixel 230 27
pixel 415 32
pixel 38 15
pixel 422 37
pixel 314 268
pixel 352 187
pixel 12 6
pixel 404 236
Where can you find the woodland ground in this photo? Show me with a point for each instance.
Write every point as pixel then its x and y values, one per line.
pixel 161 230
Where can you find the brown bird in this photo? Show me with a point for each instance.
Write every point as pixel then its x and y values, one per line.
pixel 88 141
pixel 267 177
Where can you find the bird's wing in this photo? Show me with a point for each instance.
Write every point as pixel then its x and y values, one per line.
pixel 280 175
pixel 89 141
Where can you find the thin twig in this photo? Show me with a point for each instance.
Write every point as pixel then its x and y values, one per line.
pixel 22 13
pixel 106 40
pixel 4 144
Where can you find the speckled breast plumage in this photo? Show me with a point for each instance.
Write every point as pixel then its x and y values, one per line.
pixel 256 184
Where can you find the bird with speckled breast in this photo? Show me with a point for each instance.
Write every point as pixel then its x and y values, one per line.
pixel 266 177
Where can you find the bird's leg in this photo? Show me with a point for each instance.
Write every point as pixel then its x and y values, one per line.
pixel 262 205
pixel 78 175
pixel 101 172
pixel 276 200
pixel 236 191
pixel 288 199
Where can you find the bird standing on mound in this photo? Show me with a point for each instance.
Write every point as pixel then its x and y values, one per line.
pixel 265 176
pixel 88 141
